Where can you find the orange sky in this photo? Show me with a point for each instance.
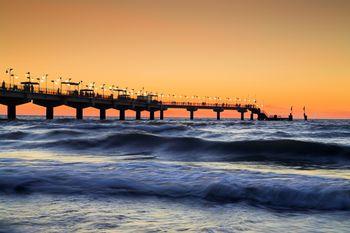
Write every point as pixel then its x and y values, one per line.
pixel 281 52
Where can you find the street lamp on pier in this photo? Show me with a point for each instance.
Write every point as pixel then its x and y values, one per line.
pixel 53 85
pixel 79 83
pixel 60 80
pixel 103 89
pixel 9 72
pixel 39 80
pixel 45 78
pixel 28 77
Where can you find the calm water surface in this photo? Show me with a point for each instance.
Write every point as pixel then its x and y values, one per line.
pixel 166 176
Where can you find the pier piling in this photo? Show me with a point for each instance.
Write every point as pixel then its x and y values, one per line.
pixel 122 114
pixel 161 115
pixel 49 113
pixel 242 116
pixel 79 113
pixel 102 114
pixel 218 113
pixel 138 114
pixel 151 115
pixel 11 112
pixel 192 110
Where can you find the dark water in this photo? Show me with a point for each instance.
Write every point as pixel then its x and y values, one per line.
pixel 202 176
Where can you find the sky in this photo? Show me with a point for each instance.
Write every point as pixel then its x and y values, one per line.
pixel 282 53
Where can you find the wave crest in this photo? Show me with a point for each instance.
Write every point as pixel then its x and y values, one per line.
pixel 196 149
pixel 175 181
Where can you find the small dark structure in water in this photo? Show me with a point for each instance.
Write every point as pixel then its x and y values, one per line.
pixel 305 116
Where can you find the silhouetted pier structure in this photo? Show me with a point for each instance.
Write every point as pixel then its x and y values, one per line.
pixel 79 99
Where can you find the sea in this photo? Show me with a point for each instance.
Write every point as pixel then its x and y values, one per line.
pixel 176 175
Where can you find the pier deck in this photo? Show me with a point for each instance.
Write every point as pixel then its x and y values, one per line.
pixel 21 94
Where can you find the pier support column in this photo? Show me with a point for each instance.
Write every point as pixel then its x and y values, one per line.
pixel 192 110
pixel 218 117
pixel 122 114
pixel 138 115
pixel 49 106
pixel 11 112
pixel 251 116
pixel 79 114
pixel 102 114
pixel 218 112
pixel 191 115
pixel 242 116
pixel 262 116
pixel 161 115
pixel 151 115
pixel 49 113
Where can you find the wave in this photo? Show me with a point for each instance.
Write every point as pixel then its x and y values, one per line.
pixel 196 149
pixel 60 133
pixel 175 181
pixel 330 125
pixel 88 126
pixel 16 135
pixel 326 135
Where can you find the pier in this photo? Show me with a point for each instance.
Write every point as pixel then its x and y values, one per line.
pixel 14 95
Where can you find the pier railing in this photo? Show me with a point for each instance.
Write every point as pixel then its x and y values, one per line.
pixel 23 88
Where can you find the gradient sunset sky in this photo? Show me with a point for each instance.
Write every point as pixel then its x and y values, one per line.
pixel 283 53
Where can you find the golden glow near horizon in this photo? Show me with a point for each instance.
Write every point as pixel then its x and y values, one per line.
pixel 283 53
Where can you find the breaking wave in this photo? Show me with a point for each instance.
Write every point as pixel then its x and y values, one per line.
pixel 196 149
pixel 174 181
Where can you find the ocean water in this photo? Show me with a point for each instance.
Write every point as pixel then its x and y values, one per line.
pixel 177 175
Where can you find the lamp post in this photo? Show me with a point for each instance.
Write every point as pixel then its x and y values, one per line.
pixel 69 80
pixel 9 72
pixel 81 81
pixel 12 77
pixel 38 79
pixel 46 75
pixel 45 78
pixel 111 88
pixel 16 77
pixel 103 89
pixel 28 77
pixel 60 80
